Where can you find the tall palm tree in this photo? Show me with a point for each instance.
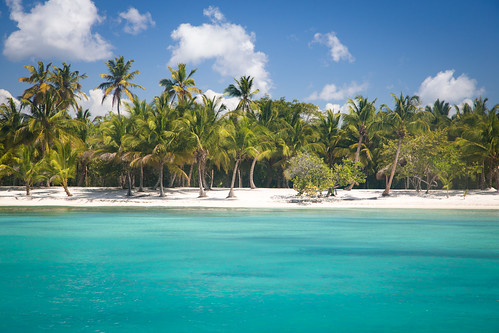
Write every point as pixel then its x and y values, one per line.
pixel 359 120
pixel 181 85
pixel 329 135
pixel 243 90
pixel 118 80
pixel 164 136
pixel 203 126
pixel 112 132
pixel 67 84
pixel 40 78
pixel 48 123
pixel 405 116
pixel 240 141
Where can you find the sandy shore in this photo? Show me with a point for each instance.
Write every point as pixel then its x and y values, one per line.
pixel 247 198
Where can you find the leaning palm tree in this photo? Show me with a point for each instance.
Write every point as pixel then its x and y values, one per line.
pixel 62 164
pixel 243 90
pixel 359 120
pixel 181 85
pixel 118 80
pixel 405 116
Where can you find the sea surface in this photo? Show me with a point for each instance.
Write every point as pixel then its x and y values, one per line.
pixel 209 270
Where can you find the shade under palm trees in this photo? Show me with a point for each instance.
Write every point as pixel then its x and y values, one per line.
pixel 118 80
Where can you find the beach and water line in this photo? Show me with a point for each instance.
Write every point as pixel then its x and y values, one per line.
pixel 305 268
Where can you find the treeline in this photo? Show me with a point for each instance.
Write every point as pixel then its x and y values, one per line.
pixel 182 140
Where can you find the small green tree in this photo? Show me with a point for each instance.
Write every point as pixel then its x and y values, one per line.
pixel 309 174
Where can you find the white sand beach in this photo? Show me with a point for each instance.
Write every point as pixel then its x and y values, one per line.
pixel 247 198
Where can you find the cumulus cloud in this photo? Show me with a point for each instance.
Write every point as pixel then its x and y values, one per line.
pixel 136 22
pixel 337 50
pixel 96 108
pixel 230 45
pixel 332 92
pixel 56 29
pixel 336 107
pixel 5 95
pixel 445 86
pixel 231 102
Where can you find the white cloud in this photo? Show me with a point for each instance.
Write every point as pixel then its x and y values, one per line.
pixel 96 107
pixel 229 44
pixel 136 22
pixel 337 107
pixel 332 92
pixel 231 103
pixel 4 97
pixel 445 87
pixel 214 14
pixel 337 49
pixel 56 28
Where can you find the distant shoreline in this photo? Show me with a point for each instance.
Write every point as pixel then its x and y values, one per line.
pixel 263 198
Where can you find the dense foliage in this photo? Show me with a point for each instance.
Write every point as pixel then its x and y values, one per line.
pixel 184 138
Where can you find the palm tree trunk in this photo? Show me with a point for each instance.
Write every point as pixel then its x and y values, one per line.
pixel 161 189
pixel 190 175
pixel 141 181
pixel 65 186
pixel 357 156
pixel 211 180
pixel 394 166
pixel 172 180
pixel 202 193
pixel 252 171
pixel 239 178
pixel 129 181
pixel 234 173
pixel 28 189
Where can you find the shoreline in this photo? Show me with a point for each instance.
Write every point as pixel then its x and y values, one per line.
pixel 261 198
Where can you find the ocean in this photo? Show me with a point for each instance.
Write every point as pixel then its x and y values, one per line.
pixel 235 270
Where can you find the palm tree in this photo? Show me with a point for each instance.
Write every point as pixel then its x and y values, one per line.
pixel 137 138
pixel 165 139
pixel 479 139
pixel 329 135
pixel 48 123
pixel 404 117
pixel 40 78
pixel 112 132
pixel 181 85
pixel 11 120
pixel 243 91
pixel 240 141
pixel 203 126
pixel 440 111
pixel 118 80
pixel 359 120
pixel 26 165
pixel 67 85
pixel 63 164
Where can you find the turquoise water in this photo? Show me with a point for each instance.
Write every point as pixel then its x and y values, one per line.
pixel 77 270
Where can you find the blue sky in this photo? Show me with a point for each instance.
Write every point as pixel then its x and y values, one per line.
pixel 322 52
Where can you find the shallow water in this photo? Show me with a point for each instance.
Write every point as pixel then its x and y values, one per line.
pixel 201 270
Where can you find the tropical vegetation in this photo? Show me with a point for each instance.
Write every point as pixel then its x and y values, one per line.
pixel 184 138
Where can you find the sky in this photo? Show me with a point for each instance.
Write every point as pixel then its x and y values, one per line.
pixel 320 52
